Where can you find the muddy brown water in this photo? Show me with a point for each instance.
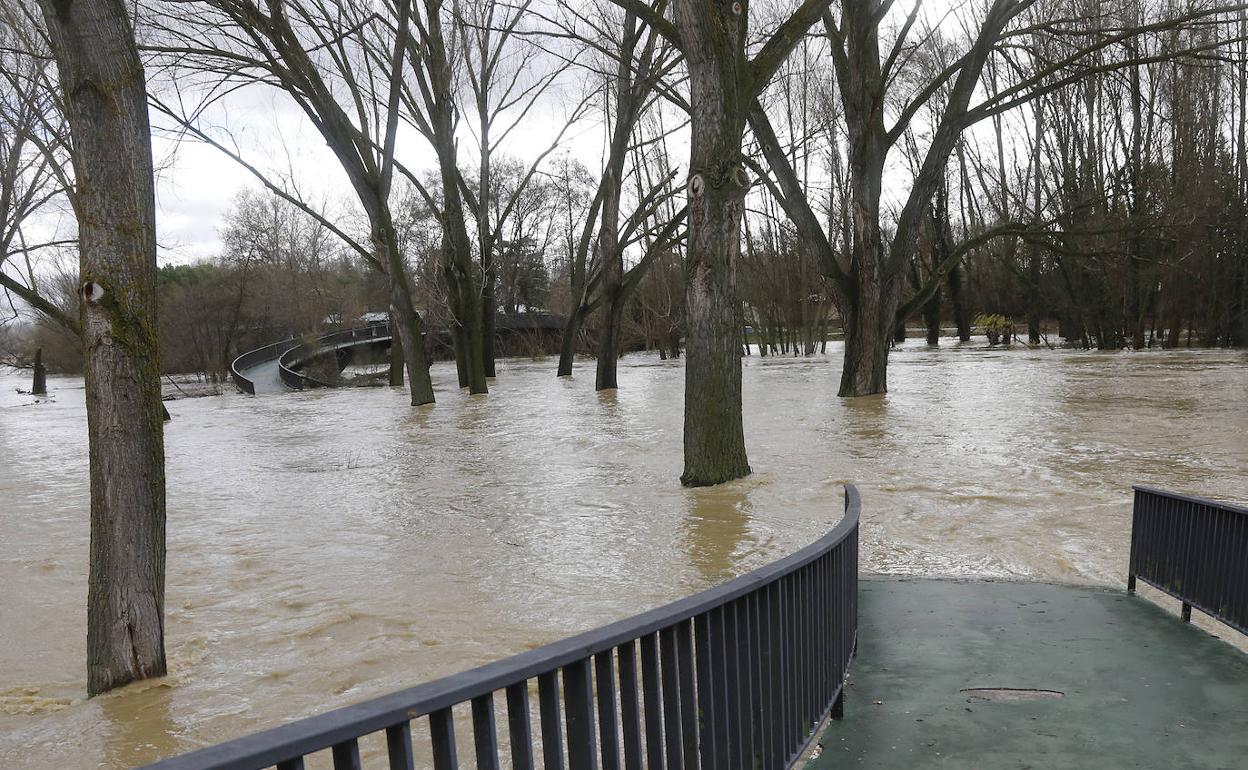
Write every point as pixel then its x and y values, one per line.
pixel 329 546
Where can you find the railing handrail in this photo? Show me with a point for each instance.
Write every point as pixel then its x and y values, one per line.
pixel 302 351
pixel 325 730
pixel 1226 506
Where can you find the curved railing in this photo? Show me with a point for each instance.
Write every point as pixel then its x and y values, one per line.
pixel 323 344
pixel 737 677
pixel 254 357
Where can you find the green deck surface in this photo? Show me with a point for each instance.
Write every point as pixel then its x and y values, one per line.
pixel 1141 689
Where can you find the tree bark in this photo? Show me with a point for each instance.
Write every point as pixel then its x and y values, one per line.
pixel 869 327
pixel 957 298
pixel 567 347
pixel 463 280
pixel 396 350
pixel 410 331
pixel 39 383
pixel 714 436
pixel 609 342
pixel 106 103
pixel 612 261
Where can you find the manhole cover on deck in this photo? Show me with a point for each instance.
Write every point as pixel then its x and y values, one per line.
pixel 1008 694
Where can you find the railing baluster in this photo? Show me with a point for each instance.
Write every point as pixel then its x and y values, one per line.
pixel 719 690
pixel 742 655
pixel 775 676
pixel 670 677
pixel 579 698
pixel 399 746
pixel 346 755
pixel 608 725
pixel 291 764
pixel 519 726
pixel 651 696
pixel 484 734
pixel 788 611
pixel 442 734
pixel 754 605
pixel 552 730
pixel 688 693
pixel 708 751
pixel 630 711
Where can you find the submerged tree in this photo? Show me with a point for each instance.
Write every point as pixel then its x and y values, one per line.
pixel 106 104
pixel 873 272
pixel 724 80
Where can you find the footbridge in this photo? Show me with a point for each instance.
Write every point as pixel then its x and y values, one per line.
pixel 299 363
pixel 285 365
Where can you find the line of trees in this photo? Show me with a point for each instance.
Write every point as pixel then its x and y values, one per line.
pixel 765 176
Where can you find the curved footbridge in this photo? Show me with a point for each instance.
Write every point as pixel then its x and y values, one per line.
pixel 282 365
pixel 744 676
pixel 304 362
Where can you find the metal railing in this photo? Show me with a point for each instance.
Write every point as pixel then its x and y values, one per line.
pixel 258 356
pixel 1196 550
pixel 323 344
pixel 737 677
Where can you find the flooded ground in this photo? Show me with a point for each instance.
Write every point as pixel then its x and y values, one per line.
pixel 328 546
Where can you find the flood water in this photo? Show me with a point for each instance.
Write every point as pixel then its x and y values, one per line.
pixel 329 546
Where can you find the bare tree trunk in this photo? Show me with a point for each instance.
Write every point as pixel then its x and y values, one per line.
pixel 39 384
pixel 489 321
pixel 463 280
pixel 106 101
pixel 567 347
pixel 714 436
pixel 1033 264
pixel 396 350
pixel 612 261
pixel 869 327
pixel 609 341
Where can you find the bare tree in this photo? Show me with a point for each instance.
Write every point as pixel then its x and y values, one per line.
pixel 724 80
pixel 873 272
pixel 328 59
pixel 36 182
pixel 105 100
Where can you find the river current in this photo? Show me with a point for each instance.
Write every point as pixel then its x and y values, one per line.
pixel 329 546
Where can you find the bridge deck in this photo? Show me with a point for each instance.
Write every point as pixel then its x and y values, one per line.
pixel 265 377
pixel 1141 689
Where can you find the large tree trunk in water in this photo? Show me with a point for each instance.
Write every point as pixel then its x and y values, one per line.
pixel 931 318
pixel 412 347
pixel 957 298
pixel 462 279
pixel 106 103
pixel 39 384
pixel 609 340
pixel 714 437
pixel 410 328
pixel 396 350
pixel 869 328
pixel 567 347
pixel 489 320
pixel 467 333
pixel 612 262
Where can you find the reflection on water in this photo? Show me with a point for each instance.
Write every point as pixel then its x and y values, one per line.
pixel 328 546
pixel 716 527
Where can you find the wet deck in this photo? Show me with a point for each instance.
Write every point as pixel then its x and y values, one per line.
pixel 265 377
pixel 1140 689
